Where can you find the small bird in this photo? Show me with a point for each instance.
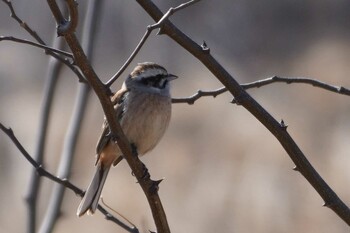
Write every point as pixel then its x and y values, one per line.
pixel 143 108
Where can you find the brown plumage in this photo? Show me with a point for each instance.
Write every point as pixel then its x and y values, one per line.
pixel 143 109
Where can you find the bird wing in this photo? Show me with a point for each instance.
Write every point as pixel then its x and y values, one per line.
pixel 106 135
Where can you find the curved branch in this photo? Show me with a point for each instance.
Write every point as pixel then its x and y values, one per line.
pixel 150 28
pixel 264 82
pixel 64 182
pixel 47 48
pixel 129 60
pixel 68 26
pixel 290 80
pixel 40 41
pixel 193 98
pixel 243 98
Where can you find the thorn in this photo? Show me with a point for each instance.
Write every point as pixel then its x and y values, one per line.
pixel 283 125
pixel 152 231
pixel 155 185
pixel 326 204
pixel 160 31
pixel 205 48
pixel 233 101
pixel 157 182
pixel 295 168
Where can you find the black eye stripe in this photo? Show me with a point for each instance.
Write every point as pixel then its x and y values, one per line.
pixel 158 81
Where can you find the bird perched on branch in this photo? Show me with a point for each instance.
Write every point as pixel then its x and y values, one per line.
pixel 143 108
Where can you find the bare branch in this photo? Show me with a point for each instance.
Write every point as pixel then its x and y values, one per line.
pixel 129 60
pixel 66 183
pixel 39 168
pixel 243 98
pixel 69 26
pixel 47 48
pixel 22 23
pixel 290 80
pixel 264 82
pixel 150 28
pixel 193 98
pixel 26 27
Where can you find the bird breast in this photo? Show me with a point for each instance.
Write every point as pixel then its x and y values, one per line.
pixel 145 119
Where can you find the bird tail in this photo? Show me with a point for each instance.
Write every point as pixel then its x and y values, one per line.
pixel 93 192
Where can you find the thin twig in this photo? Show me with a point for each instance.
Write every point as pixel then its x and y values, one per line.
pixel 69 26
pixel 290 80
pixel 193 98
pixel 47 48
pixel 129 60
pixel 123 217
pixel 170 12
pixel 243 98
pixel 150 28
pixel 33 33
pixel 66 183
pixel 39 168
pixel 22 23
pixel 264 82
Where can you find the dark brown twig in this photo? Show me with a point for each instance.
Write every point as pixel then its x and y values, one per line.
pixel 46 48
pixel 39 168
pixel 290 80
pixel 150 28
pixel 193 98
pixel 33 33
pixel 264 82
pixel 66 183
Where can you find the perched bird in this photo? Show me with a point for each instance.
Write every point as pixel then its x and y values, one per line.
pixel 143 108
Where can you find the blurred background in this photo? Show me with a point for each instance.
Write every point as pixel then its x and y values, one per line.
pixel 224 172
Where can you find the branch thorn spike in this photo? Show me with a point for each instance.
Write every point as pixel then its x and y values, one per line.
pixel 205 47
pixel 283 125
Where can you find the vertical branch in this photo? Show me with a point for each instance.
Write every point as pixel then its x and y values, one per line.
pixel 52 214
pixel 34 180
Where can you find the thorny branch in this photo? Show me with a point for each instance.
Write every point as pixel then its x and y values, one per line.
pixel 66 183
pixel 244 99
pixel 264 82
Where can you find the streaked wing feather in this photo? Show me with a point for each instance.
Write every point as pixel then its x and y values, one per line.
pixel 118 102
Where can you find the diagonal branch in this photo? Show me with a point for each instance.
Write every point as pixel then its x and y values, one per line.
pixel 264 82
pixel 33 33
pixel 243 98
pixel 150 28
pixel 66 183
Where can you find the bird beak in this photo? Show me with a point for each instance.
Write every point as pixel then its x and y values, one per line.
pixel 171 77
